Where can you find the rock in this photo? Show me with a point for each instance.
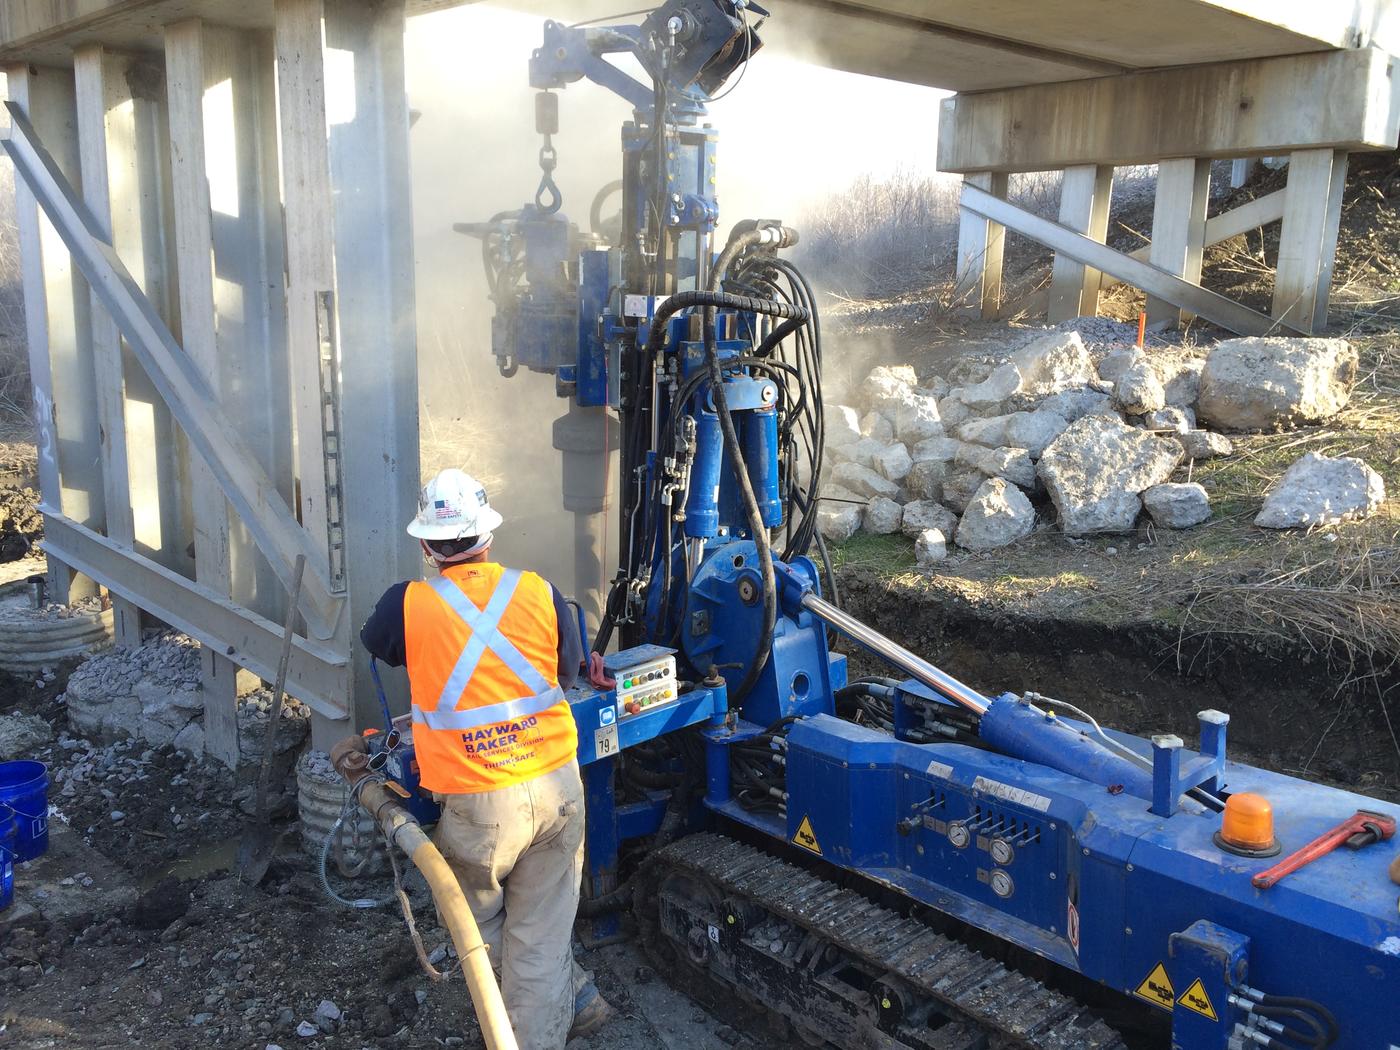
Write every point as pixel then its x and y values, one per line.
pixel 1053 362
pixel 1265 383
pixel 1096 469
pixel 1177 420
pixel 1138 390
pixel 838 522
pixel 997 514
pixel 1322 490
pixel 306 1030
pixel 1181 379
pixel 958 489
pixel 1176 506
pixel 1204 444
pixel 893 462
pixel 930 547
pixel 952 410
pixel 1013 464
pixel 863 481
pixel 1004 381
pixel 326 1016
pixel 862 451
pixel 875 426
pixel 190 740
pixel 936 387
pixel 1074 404
pixel 925 514
pixel 887 386
pixel 925 479
pixel 917 420
pixel 1034 431
pixel 22 735
pixel 1114 365
pixel 990 432
pixel 883 516
pixel 842 426
pixel 936 448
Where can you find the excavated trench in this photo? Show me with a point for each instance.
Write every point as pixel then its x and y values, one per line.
pixel 1290 709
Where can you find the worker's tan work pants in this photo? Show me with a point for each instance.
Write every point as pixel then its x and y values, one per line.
pixel 518 854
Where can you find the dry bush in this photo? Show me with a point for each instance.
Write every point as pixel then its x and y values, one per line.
pixel 15 387
pixel 880 236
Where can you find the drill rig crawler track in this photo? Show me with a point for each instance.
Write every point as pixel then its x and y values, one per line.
pixel 841 968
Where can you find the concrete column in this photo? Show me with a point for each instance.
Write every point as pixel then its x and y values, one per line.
pixel 1308 240
pixel 1241 170
pixel 1178 229
pixel 1085 195
pixel 981 244
pixel 58 322
pixel 374 300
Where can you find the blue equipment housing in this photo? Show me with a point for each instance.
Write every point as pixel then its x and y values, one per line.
pixel 1090 858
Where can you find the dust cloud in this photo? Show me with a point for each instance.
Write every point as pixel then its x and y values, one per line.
pixel 790 134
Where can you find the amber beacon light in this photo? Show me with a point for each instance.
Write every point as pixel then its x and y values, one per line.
pixel 1248 826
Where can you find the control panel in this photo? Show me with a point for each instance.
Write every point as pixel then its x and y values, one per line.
pixel 645 686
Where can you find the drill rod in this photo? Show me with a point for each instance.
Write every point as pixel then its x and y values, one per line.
pixel 916 667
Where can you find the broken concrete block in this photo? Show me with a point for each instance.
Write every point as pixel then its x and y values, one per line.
pixel 1033 431
pixel 1176 420
pixel 842 426
pixel 958 489
pixel 1096 470
pixel 935 387
pixel 190 740
pixel 1004 381
pixel 922 515
pixel 1204 444
pixel 893 462
pixel 1322 490
pixel 917 420
pixel 883 516
pixel 1266 383
pixel 875 426
pixel 863 481
pixel 1076 403
pixel 887 386
pixel 1175 505
pixel 1055 361
pixel 952 411
pixel 925 479
pixel 1013 464
pixel 21 736
pixel 990 431
pixel 1138 390
pixel 1181 379
pixel 861 452
pixel 940 448
pixel 997 514
pixel 930 548
pixel 1114 365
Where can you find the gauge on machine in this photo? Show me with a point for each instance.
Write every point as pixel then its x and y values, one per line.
pixel 958 835
pixel 1002 885
pixel 1002 852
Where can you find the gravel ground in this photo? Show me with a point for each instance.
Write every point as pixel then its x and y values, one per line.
pixel 133 932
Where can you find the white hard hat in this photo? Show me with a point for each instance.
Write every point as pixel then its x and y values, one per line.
pixel 453 507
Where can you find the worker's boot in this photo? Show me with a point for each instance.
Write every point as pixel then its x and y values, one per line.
pixel 591 1012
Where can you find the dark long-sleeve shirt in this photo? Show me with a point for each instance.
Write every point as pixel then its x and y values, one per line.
pixel 383 633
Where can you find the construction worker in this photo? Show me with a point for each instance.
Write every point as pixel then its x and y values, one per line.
pixel 490 651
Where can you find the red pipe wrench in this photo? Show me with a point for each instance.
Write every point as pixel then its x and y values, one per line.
pixel 1360 829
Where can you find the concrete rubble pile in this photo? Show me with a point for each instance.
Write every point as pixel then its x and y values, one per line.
pixel 153 693
pixel 1094 438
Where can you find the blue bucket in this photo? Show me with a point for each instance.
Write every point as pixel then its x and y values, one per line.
pixel 24 787
pixel 8 834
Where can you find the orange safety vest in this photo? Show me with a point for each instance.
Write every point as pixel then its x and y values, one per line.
pixel 483 655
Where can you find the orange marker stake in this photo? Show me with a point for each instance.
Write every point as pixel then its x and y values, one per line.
pixel 1142 329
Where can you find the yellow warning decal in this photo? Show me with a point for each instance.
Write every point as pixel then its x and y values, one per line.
pixel 1157 988
pixel 806 837
pixel 1195 998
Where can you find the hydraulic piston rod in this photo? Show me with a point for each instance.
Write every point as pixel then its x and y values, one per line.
pixel 917 668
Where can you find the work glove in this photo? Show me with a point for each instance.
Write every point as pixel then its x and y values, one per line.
pixel 598 676
pixel 351 758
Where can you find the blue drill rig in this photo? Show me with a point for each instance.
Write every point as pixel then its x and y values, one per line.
pixel 881 862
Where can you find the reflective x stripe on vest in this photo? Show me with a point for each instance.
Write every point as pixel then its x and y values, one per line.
pixel 485 634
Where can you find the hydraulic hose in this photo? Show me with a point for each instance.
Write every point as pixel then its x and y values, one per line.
pixel 404 832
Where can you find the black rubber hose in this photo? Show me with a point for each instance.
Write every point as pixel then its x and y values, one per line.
pixel 595 210
pixel 714 299
pixel 1312 1005
pixel 778 334
pixel 1319 1037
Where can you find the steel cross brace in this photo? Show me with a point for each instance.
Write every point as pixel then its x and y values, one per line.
pixel 214 436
